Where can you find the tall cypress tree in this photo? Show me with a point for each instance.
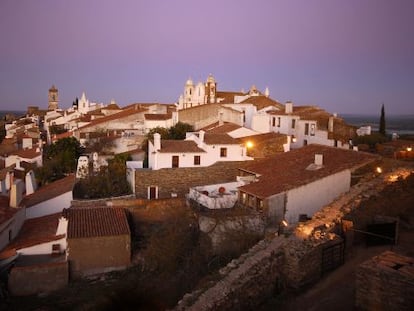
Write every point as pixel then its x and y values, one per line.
pixel 382 121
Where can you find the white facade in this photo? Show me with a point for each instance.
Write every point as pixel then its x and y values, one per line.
pixel 311 197
pixel 199 94
pixel 207 155
pixel 84 106
pixel 211 197
pixel 48 207
pixel 11 227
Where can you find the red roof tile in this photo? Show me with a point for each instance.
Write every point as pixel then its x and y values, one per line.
pixel 178 146
pixel 263 101
pixel 6 212
pixel 221 129
pixel 96 222
pixel 49 191
pixel 36 231
pixel 287 170
pixel 133 109
pixel 227 97
pixel 158 116
pixel 27 153
pixel 219 139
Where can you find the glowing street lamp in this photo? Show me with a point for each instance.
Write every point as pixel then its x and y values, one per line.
pixel 409 149
pixel 249 144
pixel 379 170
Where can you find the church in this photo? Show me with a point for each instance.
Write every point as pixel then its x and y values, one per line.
pixel 199 94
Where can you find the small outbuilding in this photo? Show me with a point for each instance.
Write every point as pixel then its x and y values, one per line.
pixel 99 240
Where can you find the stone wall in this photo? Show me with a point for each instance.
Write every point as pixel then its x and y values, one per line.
pixel 244 283
pixel 43 278
pixel 179 180
pixel 293 259
pixel 386 282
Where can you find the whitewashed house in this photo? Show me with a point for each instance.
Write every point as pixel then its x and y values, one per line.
pixel 49 199
pixel 300 182
pixel 198 149
pixel 11 221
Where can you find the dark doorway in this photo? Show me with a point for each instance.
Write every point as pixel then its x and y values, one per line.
pixel 175 161
pixel 380 234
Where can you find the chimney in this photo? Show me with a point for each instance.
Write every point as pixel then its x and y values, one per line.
pixel 62 226
pixel 221 118
pixel 16 193
pixel 318 159
pixel 30 183
pixel 157 141
pixel 200 138
pixel 330 124
pixel 288 107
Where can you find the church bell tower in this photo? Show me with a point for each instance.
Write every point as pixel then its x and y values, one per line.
pixel 53 98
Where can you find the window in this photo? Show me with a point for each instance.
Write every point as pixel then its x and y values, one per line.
pixel 278 121
pixel 306 128
pixel 274 122
pixel 305 142
pixel 223 152
pixel 10 235
pixel 175 161
pixel 312 129
pixel 293 123
pixel 197 160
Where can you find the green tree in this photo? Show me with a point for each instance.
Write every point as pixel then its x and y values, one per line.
pixel 59 159
pixel 110 181
pixel 179 130
pixel 382 122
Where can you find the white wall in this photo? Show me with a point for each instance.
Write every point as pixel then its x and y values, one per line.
pixel 43 248
pixel 260 123
pixel 310 198
pixel 51 206
pixel 14 225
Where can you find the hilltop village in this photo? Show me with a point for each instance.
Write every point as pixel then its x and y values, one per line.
pixel 236 161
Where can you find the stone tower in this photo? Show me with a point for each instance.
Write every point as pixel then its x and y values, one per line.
pixel 211 85
pixel 53 98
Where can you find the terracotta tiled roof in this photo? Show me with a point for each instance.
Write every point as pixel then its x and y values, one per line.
pixel 36 231
pixel 96 222
pixel 221 129
pixel 6 212
pixel 49 191
pixel 262 137
pixel 158 116
pixel 262 101
pixel 287 170
pixel 178 146
pixel 228 97
pixel 219 139
pixel 134 109
pixel 27 153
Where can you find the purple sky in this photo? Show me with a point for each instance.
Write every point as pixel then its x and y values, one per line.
pixel 344 56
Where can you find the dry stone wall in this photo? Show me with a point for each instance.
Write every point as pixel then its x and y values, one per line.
pixel 179 180
pixel 292 260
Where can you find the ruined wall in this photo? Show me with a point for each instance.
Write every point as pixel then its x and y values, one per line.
pixel 385 282
pixel 244 283
pixel 292 260
pixel 94 255
pixel 179 180
pixel 43 278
